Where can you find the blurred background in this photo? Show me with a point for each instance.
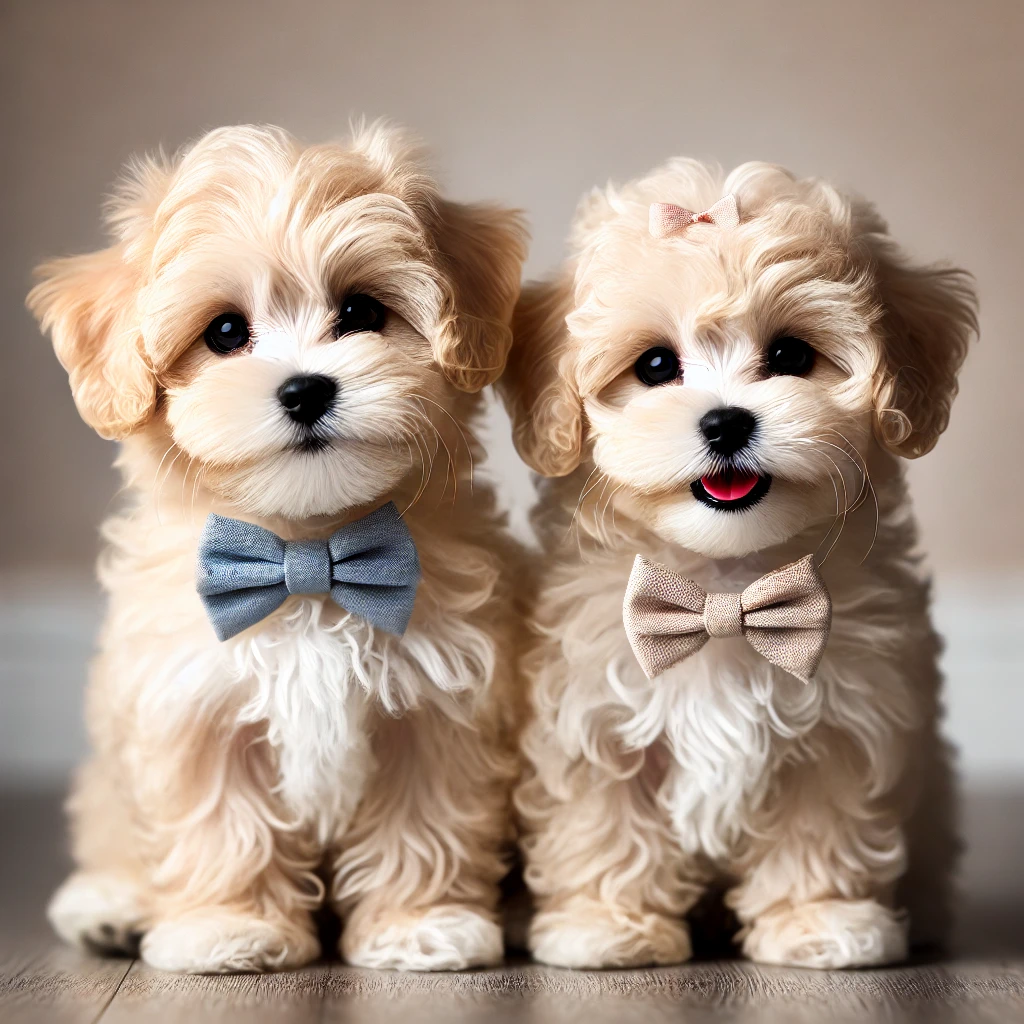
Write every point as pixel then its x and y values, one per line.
pixel 916 105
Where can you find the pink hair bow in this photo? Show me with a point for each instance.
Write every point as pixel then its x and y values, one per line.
pixel 669 219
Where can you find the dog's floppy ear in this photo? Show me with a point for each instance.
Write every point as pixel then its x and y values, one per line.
pixel 539 384
pixel 86 303
pixel 88 306
pixel 478 250
pixel 929 316
pixel 482 249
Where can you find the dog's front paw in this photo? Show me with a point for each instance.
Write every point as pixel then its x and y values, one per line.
pixel 450 937
pixel 98 910
pixel 586 933
pixel 828 934
pixel 222 942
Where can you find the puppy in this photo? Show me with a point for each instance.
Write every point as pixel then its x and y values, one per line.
pixel 290 339
pixel 724 393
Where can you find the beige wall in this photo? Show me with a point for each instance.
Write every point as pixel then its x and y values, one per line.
pixel 916 104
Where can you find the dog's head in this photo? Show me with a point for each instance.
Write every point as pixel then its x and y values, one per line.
pixel 289 318
pixel 729 379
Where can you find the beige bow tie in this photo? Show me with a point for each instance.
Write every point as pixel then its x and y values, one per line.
pixel 668 219
pixel 785 616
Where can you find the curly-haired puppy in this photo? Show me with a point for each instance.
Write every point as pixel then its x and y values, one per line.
pixel 725 394
pixel 292 337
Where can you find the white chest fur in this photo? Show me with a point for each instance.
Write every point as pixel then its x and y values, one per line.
pixel 728 719
pixel 725 717
pixel 311 674
pixel 316 674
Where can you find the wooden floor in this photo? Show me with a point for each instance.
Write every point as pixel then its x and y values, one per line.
pixel 40 980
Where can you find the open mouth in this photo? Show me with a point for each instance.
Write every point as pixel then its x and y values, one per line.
pixel 731 490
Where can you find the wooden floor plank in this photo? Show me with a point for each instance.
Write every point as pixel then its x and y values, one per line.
pixel 293 997
pixel 47 981
pixel 732 986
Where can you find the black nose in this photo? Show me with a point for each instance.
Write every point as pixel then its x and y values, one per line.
pixel 307 398
pixel 727 430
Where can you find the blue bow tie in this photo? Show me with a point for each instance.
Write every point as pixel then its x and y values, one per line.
pixel 369 567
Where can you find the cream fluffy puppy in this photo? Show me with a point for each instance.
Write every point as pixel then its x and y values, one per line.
pixel 235 786
pixel 725 400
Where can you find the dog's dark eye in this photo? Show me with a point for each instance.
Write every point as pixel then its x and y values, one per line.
pixel 657 366
pixel 359 313
pixel 227 332
pixel 790 357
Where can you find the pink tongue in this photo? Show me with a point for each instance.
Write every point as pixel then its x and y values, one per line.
pixel 729 486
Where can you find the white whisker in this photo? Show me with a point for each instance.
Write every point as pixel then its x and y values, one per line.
pixel 579 504
pixel 462 435
pixel 846 508
pixel 156 479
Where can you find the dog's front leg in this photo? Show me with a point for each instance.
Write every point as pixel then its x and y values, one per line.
pixel 415 878
pixel 229 880
pixel 610 882
pixel 819 869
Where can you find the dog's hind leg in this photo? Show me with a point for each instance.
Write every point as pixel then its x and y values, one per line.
pixel 101 906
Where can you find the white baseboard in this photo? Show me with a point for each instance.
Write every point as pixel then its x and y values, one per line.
pixel 980 619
